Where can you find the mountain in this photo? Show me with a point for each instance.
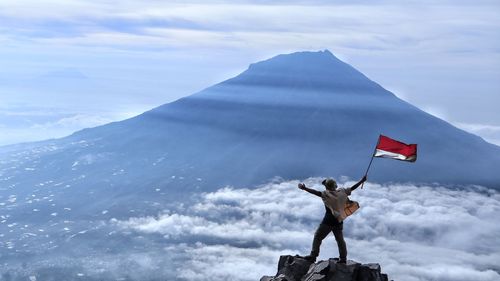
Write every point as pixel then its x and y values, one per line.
pixel 292 116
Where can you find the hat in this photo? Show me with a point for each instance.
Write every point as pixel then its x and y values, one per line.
pixel 329 183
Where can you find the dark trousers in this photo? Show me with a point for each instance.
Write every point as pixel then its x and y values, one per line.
pixel 323 231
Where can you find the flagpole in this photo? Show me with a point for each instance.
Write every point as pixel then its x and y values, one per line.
pixel 371 160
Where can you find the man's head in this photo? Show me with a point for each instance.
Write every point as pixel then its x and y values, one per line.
pixel 330 184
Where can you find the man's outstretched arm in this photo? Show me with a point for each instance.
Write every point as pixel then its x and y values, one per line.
pixel 310 190
pixel 358 183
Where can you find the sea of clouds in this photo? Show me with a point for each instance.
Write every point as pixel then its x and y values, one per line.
pixel 414 232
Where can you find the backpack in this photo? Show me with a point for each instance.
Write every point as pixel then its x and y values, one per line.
pixel 350 207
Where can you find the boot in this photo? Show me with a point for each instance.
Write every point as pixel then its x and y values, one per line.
pixel 307 258
pixel 339 260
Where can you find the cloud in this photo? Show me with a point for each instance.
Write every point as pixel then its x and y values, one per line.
pixel 414 232
pixel 220 217
pixel 74 121
pixel 438 112
pixel 490 133
pixel 361 25
pixel 25 123
pixel 224 262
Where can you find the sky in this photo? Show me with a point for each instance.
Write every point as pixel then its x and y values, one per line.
pixel 72 64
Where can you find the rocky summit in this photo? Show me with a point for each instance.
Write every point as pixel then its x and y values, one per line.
pixel 293 268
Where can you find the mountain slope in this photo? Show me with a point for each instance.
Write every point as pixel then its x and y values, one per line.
pixel 298 115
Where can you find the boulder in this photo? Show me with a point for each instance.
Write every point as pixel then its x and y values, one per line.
pixel 295 268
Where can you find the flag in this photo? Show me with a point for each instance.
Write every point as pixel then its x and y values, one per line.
pixel 389 148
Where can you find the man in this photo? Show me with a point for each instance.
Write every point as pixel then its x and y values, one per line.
pixel 335 200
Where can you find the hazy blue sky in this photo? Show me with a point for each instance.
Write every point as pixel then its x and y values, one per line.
pixel 71 64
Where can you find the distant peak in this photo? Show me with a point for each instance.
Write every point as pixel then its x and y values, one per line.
pixel 300 57
pixel 327 52
pixel 314 70
pixel 322 53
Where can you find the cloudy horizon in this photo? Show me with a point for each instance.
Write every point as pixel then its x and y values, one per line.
pixel 415 232
pixel 68 65
pixel 406 236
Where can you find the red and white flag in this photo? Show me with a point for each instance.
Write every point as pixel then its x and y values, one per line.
pixel 389 148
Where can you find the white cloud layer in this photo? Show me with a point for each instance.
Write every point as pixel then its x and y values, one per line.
pixel 27 126
pixel 489 133
pixel 414 232
pixel 222 24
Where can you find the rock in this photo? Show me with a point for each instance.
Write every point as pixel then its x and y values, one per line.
pixel 371 271
pixel 341 271
pixel 294 268
pixel 291 268
pixel 317 272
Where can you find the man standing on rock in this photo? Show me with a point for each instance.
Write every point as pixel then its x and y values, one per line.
pixel 336 201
